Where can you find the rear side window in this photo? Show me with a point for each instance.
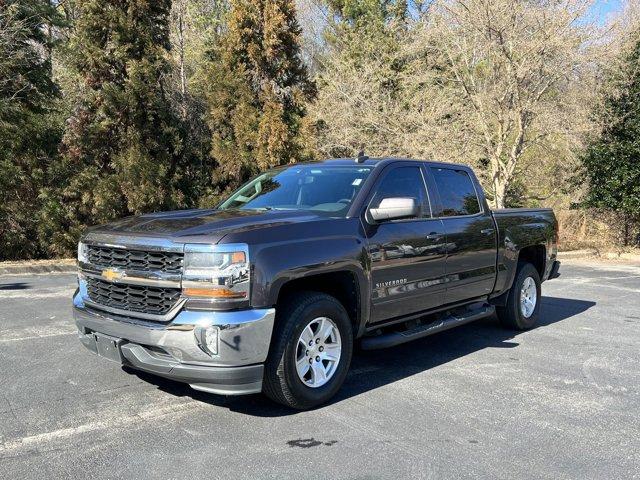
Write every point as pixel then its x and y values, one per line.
pixel 456 192
pixel 403 182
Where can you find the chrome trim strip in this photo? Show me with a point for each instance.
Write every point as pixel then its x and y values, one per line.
pixel 133 277
pixel 216 248
pixel 132 242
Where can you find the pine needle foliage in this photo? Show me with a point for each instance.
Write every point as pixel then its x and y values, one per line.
pixel 29 131
pixel 123 146
pixel 257 87
pixel 612 162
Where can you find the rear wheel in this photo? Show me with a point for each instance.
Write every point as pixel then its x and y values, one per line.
pixel 311 351
pixel 523 301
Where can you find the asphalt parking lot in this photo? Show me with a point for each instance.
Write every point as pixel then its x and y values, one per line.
pixel 560 401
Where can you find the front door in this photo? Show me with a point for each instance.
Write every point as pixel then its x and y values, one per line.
pixel 408 255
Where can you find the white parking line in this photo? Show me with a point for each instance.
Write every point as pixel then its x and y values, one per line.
pixel 152 414
pixel 33 337
pixel 44 293
pixel 31 333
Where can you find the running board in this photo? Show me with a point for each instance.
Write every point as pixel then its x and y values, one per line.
pixel 392 339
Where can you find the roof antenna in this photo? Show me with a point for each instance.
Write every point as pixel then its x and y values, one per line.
pixel 361 157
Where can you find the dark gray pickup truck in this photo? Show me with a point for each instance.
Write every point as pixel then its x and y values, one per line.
pixel 270 291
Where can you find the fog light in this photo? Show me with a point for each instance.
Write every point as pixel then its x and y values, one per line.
pixel 207 338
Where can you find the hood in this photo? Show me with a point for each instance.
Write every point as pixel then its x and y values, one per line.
pixel 210 225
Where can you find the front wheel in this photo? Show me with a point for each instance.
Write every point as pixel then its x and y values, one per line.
pixel 523 301
pixel 311 351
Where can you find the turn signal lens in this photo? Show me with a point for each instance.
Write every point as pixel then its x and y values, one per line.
pixel 238 257
pixel 213 293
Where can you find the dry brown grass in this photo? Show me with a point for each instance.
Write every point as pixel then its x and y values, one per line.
pixel 590 229
pixel 53 261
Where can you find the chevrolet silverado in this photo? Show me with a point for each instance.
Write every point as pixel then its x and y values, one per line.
pixel 270 291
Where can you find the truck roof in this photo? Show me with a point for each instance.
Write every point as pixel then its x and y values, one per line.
pixel 375 161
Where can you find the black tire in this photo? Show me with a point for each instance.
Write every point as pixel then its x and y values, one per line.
pixel 281 382
pixel 511 315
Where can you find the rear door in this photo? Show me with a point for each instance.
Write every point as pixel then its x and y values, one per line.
pixel 407 256
pixel 471 235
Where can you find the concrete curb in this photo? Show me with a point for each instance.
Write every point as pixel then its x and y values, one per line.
pixel 67 265
pixel 587 253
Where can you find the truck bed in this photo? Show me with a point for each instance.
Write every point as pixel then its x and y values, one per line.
pixel 532 230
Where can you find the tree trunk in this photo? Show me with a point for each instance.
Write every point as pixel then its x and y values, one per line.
pixel 499 192
pixel 182 7
pixel 625 219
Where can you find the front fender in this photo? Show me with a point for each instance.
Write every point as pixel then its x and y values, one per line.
pixel 275 265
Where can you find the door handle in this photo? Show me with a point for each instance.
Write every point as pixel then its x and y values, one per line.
pixel 487 231
pixel 433 236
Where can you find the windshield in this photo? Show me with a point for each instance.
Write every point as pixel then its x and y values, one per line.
pixel 328 189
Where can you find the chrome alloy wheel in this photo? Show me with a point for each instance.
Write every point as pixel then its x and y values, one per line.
pixel 318 352
pixel 528 297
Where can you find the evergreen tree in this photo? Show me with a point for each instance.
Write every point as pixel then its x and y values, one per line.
pixel 123 146
pixel 257 87
pixel 612 163
pixel 29 132
pixel 365 30
pixel 367 14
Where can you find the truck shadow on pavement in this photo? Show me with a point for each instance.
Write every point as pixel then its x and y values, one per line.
pixel 374 369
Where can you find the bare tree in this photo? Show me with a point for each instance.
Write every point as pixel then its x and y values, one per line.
pixel 506 86
pixel 195 25
pixel 514 66
pixel 372 95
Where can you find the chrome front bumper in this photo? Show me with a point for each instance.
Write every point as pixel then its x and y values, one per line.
pixel 172 350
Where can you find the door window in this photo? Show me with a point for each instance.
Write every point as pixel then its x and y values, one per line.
pixel 457 192
pixel 403 182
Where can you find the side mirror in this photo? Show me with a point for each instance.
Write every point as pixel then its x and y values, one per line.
pixel 394 208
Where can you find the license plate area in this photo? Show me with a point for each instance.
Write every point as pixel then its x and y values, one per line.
pixel 108 347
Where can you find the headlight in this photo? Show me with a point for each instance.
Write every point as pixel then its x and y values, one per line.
pixel 219 273
pixel 82 253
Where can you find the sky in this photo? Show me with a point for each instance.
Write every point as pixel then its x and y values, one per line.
pixel 602 9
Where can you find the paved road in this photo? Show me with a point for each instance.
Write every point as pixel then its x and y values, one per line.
pixel 560 401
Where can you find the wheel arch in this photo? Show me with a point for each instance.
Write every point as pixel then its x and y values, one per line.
pixel 535 255
pixel 343 285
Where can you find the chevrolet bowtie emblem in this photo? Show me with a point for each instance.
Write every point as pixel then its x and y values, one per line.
pixel 111 275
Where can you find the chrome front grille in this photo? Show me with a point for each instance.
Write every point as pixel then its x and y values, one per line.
pixel 134 298
pixel 135 260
